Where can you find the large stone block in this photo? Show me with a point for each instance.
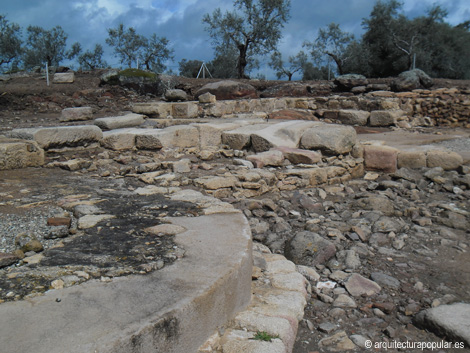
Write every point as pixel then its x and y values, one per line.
pixel 411 159
pixel 179 136
pixel 62 136
pixel 240 138
pixel 286 134
pixel 76 114
pixel 64 77
pixel 120 122
pixel 380 158
pixel 447 160
pixel 210 134
pixel 353 117
pixel 299 156
pixel 120 139
pixel 268 158
pixel 16 154
pixel 154 109
pixel 330 139
pixel 185 110
pixel 385 117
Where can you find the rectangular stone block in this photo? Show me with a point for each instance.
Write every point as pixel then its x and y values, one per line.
pixel 380 158
pixel 447 160
pixel 120 122
pixel 353 117
pixel 185 110
pixel 16 154
pixel 181 136
pixel 64 77
pixel 76 114
pixel 120 139
pixel 210 135
pixel 385 117
pixel 411 159
pixel 240 138
pixel 62 136
pixel 154 109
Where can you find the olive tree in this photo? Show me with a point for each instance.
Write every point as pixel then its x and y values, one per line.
pixel 295 64
pixel 44 46
pixel 154 52
pixel 331 42
pixel 10 41
pixel 253 28
pixel 91 60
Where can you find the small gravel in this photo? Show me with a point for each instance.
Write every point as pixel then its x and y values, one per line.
pixel 33 221
pixel 457 145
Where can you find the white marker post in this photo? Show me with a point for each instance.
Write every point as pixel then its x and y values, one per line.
pixel 47 74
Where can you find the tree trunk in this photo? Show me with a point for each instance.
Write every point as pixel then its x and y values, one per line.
pixel 338 63
pixel 241 65
pixel 289 75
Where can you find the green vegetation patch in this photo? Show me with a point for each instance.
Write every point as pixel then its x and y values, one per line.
pixel 138 73
pixel 264 336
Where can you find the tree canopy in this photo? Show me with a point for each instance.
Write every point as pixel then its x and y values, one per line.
pixel 10 41
pixel 44 46
pixel 253 28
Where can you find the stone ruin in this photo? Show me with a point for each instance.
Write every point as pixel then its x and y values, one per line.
pixel 273 144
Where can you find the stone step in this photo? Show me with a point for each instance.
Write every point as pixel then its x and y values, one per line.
pixel 76 114
pixel 62 136
pixel 178 136
pixel 120 122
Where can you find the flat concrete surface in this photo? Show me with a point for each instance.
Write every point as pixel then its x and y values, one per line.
pixel 172 310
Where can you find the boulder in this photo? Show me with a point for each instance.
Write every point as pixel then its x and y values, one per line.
pixel 449 321
pixel 347 82
pixel 62 136
pixel 19 154
pixel 309 249
pixel 175 95
pixel 287 114
pixel 228 90
pixel 329 139
pixel 76 114
pixel 120 122
pixel 410 80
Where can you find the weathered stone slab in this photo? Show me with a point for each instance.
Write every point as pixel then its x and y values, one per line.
pixel 120 122
pixel 380 158
pixel 385 117
pixel 353 117
pixel 64 77
pixel 19 154
pixel 182 136
pixel 330 139
pixel 359 286
pixel 450 321
pixel 62 136
pixel 76 114
pixel 240 138
pixel 290 114
pixel 287 134
pixel 120 139
pixel 216 182
pixel 314 176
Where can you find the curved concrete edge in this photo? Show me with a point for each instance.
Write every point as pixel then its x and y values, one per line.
pixel 280 294
pixel 171 310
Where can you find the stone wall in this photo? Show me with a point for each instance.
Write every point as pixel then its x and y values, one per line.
pixel 440 107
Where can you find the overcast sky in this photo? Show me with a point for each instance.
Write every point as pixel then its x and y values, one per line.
pixel 86 21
